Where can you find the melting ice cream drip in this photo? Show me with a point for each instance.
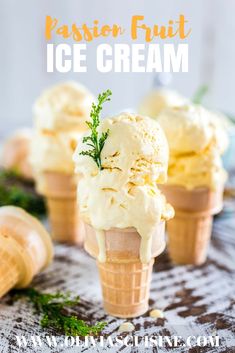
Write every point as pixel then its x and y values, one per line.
pixel 100 236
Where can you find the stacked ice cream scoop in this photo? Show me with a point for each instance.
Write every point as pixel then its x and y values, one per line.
pixel 196 179
pixel 60 115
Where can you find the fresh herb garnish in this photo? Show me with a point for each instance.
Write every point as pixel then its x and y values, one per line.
pixel 200 94
pixel 18 192
pixel 95 141
pixel 52 308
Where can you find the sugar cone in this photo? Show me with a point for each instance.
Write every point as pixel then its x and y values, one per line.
pixel 189 231
pixel 60 191
pixel 125 287
pixel 25 248
pixel 196 200
pixel 11 265
pixel 125 280
pixel 188 237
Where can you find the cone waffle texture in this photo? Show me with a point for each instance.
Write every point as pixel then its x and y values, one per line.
pixel 190 230
pixel 66 225
pixel 10 266
pixel 25 248
pixel 125 287
pixel 125 280
pixel 60 192
pixel 188 237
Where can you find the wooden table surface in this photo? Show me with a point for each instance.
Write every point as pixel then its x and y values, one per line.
pixel 196 300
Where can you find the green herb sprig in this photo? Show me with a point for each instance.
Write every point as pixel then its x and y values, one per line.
pixel 95 141
pixel 200 94
pixel 52 308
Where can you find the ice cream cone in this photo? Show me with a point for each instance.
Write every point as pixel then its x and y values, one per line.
pixel 12 266
pixel 125 287
pixel 25 248
pixel 195 200
pixel 188 236
pixel 189 231
pixel 60 192
pixel 125 280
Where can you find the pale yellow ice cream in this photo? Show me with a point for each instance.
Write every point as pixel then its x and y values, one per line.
pixel 159 99
pixel 65 106
pixel 60 115
pixel 53 151
pixel 196 141
pixel 125 193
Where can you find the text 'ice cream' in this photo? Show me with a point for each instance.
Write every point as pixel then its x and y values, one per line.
pixel 124 193
pixel 196 141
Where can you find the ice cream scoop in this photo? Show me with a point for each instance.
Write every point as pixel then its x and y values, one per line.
pixel 125 192
pixel 16 151
pixel 159 99
pixel 195 179
pixel 25 248
pixel 53 151
pixel 60 115
pixel 65 106
pixel 196 141
pixel 124 210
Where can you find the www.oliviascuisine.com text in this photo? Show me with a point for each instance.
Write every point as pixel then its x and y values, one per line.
pixel 118 341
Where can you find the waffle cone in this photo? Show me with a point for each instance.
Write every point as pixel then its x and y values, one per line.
pixel 11 265
pixel 60 191
pixel 25 248
pixel 66 226
pixel 195 200
pixel 188 237
pixel 125 280
pixel 125 287
pixel 189 232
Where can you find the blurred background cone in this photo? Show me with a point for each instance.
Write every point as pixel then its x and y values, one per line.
pixel 125 280
pixel 60 191
pixel 189 232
